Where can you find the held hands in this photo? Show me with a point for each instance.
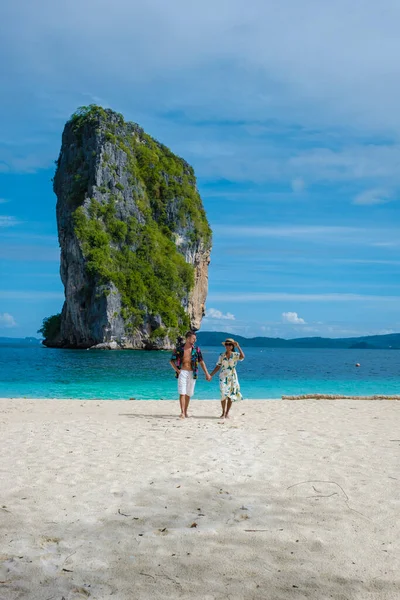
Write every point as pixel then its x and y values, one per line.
pixel 208 377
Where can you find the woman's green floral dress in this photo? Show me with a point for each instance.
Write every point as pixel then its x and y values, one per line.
pixel 228 379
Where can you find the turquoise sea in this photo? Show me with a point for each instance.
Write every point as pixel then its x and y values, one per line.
pixel 34 371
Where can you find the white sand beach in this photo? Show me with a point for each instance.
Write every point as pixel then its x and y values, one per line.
pixel 114 499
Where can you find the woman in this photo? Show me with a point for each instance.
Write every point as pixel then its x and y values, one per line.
pixel 228 379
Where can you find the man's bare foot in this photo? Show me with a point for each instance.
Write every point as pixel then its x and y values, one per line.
pixel 181 416
pixel 222 416
pixel 227 417
pixel 187 416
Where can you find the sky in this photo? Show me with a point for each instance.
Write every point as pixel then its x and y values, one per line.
pixel 289 114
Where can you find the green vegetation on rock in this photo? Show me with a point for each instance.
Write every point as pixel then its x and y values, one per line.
pixel 154 278
pixel 167 177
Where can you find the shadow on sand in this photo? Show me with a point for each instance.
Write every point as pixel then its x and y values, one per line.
pixel 174 417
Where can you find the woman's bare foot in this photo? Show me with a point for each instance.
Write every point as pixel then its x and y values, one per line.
pixel 181 416
pixel 222 416
pixel 227 417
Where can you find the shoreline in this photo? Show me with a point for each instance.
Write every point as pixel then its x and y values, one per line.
pixel 283 397
pixel 122 499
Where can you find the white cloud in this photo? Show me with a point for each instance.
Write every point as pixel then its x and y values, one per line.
pixel 323 234
pixel 283 157
pixel 375 196
pixel 288 231
pixel 309 63
pixel 304 55
pixel 30 253
pixel 298 185
pixel 41 237
pixel 293 318
pixel 369 261
pixel 286 297
pixel 391 244
pixel 386 331
pixel 30 295
pixel 6 221
pixel 10 162
pixel 213 313
pixel 7 320
pixel 352 162
pixel 331 330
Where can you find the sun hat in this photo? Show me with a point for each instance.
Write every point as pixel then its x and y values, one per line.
pixel 228 341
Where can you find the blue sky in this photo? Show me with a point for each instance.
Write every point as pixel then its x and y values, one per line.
pixel 289 113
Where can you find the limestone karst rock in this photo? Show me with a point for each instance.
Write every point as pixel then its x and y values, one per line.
pixel 135 241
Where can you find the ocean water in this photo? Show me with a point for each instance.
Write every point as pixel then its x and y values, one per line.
pixel 34 371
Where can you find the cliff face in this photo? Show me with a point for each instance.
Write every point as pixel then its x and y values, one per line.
pixel 135 241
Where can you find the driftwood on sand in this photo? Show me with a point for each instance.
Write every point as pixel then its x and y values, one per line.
pixel 338 397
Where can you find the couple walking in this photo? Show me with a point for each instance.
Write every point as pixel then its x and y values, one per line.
pixel 185 361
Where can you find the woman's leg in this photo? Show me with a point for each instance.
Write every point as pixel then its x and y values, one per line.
pixel 223 402
pixel 228 408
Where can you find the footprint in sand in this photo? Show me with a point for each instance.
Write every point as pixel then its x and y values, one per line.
pixel 50 557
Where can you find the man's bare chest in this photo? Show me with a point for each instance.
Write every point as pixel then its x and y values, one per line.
pixel 187 358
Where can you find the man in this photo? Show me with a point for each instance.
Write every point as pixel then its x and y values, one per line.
pixel 185 362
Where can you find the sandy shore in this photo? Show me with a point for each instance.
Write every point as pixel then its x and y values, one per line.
pixel 287 500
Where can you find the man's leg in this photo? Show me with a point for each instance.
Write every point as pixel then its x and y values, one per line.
pixel 187 400
pixel 182 392
pixel 228 408
pixel 223 402
pixel 191 382
pixel 182 401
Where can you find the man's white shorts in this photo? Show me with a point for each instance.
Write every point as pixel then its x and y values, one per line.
pixel 186 383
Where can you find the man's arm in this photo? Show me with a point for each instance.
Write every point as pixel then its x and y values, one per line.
pixel 173 360
pixel 202 364
pixel 206 373
pixel 173 365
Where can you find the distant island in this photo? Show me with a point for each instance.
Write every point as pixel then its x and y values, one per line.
pixel 214 338
pixel 369 342
pixel 27 341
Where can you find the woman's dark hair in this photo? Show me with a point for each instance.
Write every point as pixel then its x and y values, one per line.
pixel 189 334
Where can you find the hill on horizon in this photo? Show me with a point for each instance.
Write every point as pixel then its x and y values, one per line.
pixel 382 342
